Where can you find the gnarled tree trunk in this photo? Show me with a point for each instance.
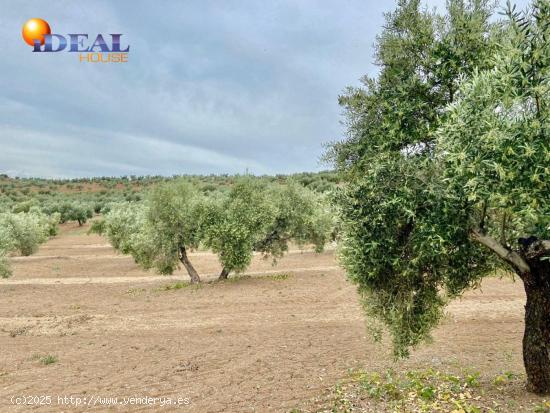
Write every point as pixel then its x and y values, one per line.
pixel 188 266
pixel 531 263
pixel 536 339
pixel 224 274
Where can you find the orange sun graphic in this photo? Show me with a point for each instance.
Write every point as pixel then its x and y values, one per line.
pixel 35 29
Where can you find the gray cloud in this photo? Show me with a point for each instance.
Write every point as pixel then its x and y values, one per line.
pixel 211 87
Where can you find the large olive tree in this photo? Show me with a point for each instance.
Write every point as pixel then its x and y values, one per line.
pixel 494 150
pixel 427 186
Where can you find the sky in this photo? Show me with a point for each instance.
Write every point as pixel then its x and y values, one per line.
pixel 210 87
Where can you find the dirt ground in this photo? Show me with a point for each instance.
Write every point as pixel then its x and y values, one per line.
pixel 276 340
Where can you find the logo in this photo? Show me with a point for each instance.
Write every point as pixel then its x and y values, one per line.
pixel 103 49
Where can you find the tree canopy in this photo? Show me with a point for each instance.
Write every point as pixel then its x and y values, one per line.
pixel 447 152
pixel 23 233
pixel 251 217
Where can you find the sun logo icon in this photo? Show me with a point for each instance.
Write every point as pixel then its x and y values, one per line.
pixel 35 29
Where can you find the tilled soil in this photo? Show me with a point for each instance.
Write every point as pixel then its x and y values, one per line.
pixel 275 340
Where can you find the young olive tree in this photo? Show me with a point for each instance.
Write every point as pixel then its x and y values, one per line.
pixel 23 232
pixel 301 216
pixel 265 219
pixel 6 245
pixel 235 223
pixel 159 233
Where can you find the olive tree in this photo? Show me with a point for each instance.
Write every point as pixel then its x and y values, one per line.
pixel 300 216
pixel 158 233
pixel 120 225
pixel 255 217
pixel 26 230
pixel 74 211
pixel 236 222
pixel 173 226
pixel 494 149
pixel 23 233
pixel 440 178
pixel 6 245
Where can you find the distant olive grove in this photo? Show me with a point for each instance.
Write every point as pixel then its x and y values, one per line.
pixel 78 199
pixel 159 219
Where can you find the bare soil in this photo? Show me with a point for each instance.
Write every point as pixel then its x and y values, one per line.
pixel 276 340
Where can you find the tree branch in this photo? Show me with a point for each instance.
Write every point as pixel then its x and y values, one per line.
pixel 483 215
pixel 503 229
pixel 511 257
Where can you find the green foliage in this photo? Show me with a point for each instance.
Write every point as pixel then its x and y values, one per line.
pixel 74 211
pixel 23 232
pixel 6 245
pixel 25 206
pixel 494 144
pixel 48 359
pixel 235 224
pixel 120 225
pixel 422 391
pixel 301 216
pixel 251 216
pixel 257 217
pixel 26 231
pixel 403 247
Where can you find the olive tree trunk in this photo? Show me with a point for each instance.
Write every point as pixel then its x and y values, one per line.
pixel 536 339
pixel 188 266
pixel 531 261
pixel 224 274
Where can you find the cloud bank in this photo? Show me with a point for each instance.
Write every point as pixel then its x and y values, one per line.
pixel 210 86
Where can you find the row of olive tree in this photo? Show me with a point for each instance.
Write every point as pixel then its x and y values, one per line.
pixel 251 217
pixel 446 169
pixel 23 233
pixel 71 211
pixel 78 211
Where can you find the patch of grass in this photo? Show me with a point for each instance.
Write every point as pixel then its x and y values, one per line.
pixel 543 407
pixel 45 359
pixel 48 359
pixel 173 287
pixel 504 378
pixel 237 278
pixel 422 391
pixel 275 277
pixel 278 277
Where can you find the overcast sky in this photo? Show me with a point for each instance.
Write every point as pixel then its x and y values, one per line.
pixel 210 86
